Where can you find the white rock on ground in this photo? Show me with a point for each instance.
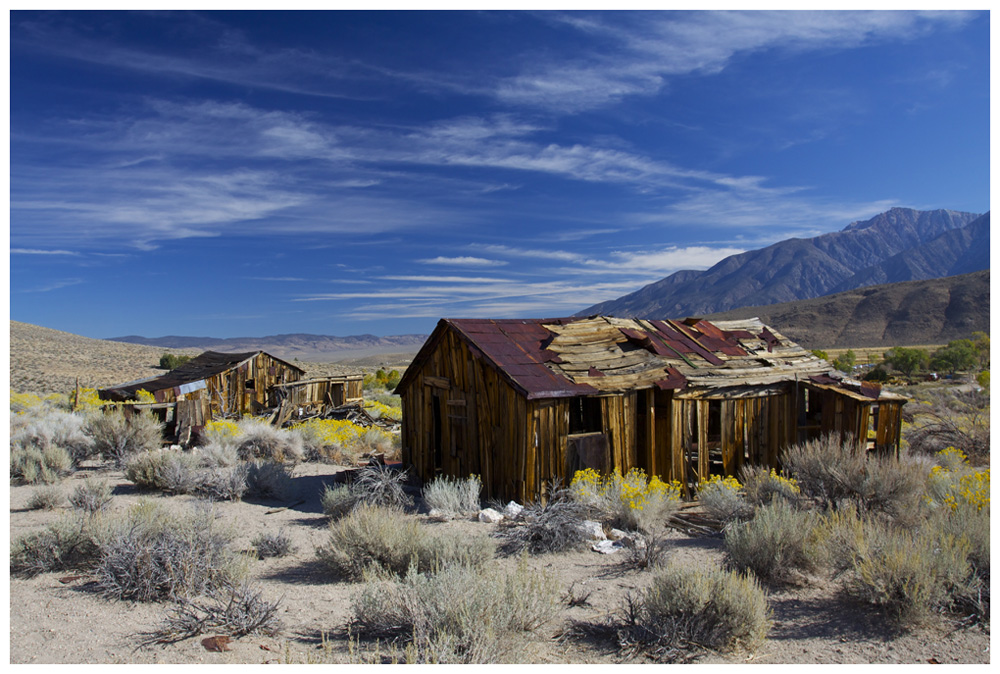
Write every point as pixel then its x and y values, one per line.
pixel 607 547
pixel 594 530
pixel 513 510
pixel 490 516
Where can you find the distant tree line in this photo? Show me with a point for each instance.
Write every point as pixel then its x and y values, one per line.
pixel 959 355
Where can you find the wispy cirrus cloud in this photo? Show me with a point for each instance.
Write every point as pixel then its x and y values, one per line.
pixel 463 261
pixel 36 251
pixel 640 51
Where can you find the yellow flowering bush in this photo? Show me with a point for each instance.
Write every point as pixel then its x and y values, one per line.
pixel 221 430
pixel 632 500
pixel 22 402
pixel 721 496
pixel 340 440
pixel 954 488
pixel 382 411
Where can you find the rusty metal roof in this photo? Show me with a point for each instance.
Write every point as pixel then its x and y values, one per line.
pixel 198 368
pixel 560 357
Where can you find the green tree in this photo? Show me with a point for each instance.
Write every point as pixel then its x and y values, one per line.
pixel 169 361
pixel 845 361
pixel 960 354
pixel 906 360
pixel 821 354
pixel 981 341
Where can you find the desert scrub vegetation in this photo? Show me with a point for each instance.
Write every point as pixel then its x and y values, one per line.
pixel 71 542
pixel 722 498
pixel 452 497
pixel 685 610
pixel 556 526
pixel 233 610
pixel 373 536
pixel 272 544
pixel 47 497
pixel 835 472
pixel 631 501
pixel 377 485
pixel 940 419
pixel 456 614
pixel 45 444
pixel 342 442
pixel 779 542
pixel 91 496
pixel 150 555
pixel 118 436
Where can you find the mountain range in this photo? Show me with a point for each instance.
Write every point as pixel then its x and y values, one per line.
pixel 899 245
pixel 299 345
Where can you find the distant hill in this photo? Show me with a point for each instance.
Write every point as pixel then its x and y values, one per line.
pixel 305 347
pixel 896 314
pixel 901 244
pixel 43 360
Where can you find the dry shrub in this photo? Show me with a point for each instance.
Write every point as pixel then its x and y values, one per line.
pixel 91 496
pixel 46 427
pixel 276 544
pixel 48 497
pixel 69 543
pixel 374 536
pixel 722 498
pixel 762 486
pixel 233 610
pixel 835 472
pixel 268 480
pixel 457 614
pixel 685 610
pixel 950 419
pixel 261 440
pixel 117 437
pixel 452 496
pixel 556 526
pixel 152 555
pixel 163 469
pixel 381 485
pixel 223 483
pixel 776 544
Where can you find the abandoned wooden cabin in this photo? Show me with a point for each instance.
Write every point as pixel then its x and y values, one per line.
pixel 215 385
pixel 523 403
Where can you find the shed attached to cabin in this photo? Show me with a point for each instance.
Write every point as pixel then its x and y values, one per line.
pixel 524 403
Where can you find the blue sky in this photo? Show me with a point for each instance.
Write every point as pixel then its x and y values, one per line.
pixel 245 174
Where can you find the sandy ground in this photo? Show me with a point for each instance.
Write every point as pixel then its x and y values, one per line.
pixel 58 620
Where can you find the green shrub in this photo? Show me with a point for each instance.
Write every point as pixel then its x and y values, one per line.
pixel 163 469
pixel 117 437
pixel 452 496
pixel 338 500
pixel 48 497
pixel 31 464
pixel 45 427
pixel 374 536
pixel 91 496
pixel 778 542
pixel 457 614
pixel 685 609
pixel 910 575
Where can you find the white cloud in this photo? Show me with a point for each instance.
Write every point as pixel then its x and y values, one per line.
pixel 463 261
pixel 35 251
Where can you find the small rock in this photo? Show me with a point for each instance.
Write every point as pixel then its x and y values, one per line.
pixel 617 534
pixel 513 510
pixel 607 547
pixel 593 530
pixel 490 516
pixel 440 515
